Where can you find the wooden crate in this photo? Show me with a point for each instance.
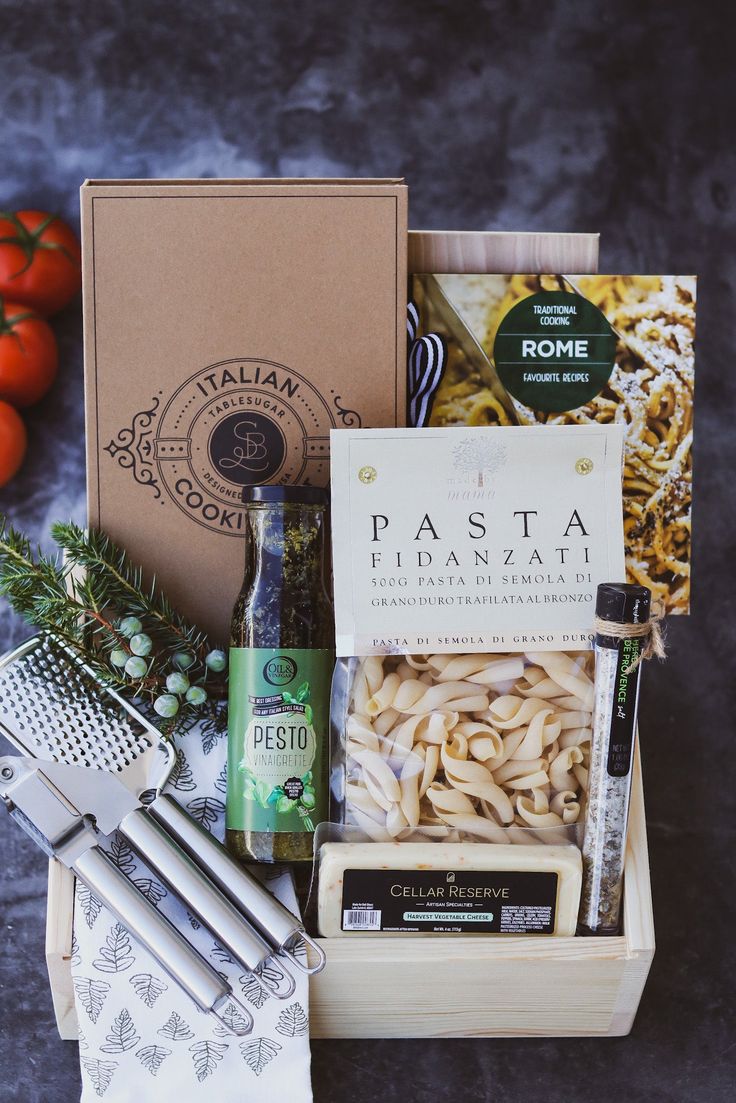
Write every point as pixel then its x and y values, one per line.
pixel 455 986
pixel 458 986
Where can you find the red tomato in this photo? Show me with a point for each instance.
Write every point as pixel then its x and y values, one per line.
pixel 40 260
pixel 13 442
pixel 28 355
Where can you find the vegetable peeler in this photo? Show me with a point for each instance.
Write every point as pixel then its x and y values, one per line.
pixel 92 764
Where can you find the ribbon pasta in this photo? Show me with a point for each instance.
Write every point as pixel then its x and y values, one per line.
pixel 468 746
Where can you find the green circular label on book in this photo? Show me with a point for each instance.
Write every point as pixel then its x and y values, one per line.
pixel 554 351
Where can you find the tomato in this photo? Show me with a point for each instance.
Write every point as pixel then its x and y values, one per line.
pixel 13 442
pixel 40 260
pixel 28 355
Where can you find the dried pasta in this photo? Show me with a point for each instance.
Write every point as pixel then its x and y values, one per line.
pixel 650 391
pixel 468 746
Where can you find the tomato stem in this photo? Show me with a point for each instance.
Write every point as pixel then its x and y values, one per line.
pixel 30 240
pixel 7 323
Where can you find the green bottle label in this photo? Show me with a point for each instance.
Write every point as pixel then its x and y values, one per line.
pixel 278 723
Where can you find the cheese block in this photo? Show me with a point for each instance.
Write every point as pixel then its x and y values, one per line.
pixel 437 888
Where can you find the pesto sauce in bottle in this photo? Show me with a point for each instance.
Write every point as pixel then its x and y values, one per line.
pixel 282 654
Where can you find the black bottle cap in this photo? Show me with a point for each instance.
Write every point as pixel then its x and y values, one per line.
pixel 305 495
pixel 622 602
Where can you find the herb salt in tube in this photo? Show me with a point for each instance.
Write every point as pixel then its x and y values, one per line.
pixel 622 629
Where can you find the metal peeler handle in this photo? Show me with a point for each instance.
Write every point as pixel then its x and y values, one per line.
pixel 172 951
pixel 275 922
pixel 164 854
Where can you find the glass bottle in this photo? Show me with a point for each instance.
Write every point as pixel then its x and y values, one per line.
pixel 282 654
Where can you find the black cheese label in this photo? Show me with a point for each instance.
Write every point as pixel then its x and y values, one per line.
pixel 435 901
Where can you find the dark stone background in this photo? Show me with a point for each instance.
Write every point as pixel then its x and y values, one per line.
pixel 522 115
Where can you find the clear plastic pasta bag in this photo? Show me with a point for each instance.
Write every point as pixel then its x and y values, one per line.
pixel 473 747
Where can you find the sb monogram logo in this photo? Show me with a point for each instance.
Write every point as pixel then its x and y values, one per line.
pixel 247 448
pixel 254 455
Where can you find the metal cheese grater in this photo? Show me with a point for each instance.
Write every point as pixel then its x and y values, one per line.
pixel 93 760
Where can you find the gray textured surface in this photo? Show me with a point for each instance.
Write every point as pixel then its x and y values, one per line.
pixel 615 118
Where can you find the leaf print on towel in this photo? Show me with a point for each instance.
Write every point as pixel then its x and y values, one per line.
pixel 221 780
pixel 75 957
pixel 258 1053
pixel 91 994
pixel 83 1043
pixel 275 978
pixel 123 1034
pixel 99 1072
pixel 293 1021
pixel 213 730
pixel 153 1057
pixel 253 991
pixel 149 988
pixel 115 955
pixel 206 810
pixel 88 902
pixel 175 1028
pixel 152 890
pixel 182 777
pixel 233 1022
pixel 121 854
pixel 205 1055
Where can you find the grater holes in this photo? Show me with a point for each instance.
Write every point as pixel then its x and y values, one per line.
pixel 67 714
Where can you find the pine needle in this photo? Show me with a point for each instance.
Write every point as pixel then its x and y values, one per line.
pixel 84 592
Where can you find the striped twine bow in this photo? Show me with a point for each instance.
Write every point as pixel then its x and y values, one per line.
pixel 427 359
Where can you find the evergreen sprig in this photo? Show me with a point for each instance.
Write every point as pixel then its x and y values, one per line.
pixel 111 579
pixel 94 599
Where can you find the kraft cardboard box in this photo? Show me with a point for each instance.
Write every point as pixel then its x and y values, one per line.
pixel 229 326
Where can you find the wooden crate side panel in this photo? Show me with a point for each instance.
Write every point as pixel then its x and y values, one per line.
pixel 502 252
pixel 443 998
pixel 59 924
pixel 634 977
pixel 638 910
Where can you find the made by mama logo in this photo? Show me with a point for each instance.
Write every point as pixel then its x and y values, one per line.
pixel 475 460
pixel 233 424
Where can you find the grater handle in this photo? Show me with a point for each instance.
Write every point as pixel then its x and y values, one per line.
pixel 164 854
pixel 152 929
pixel 268 915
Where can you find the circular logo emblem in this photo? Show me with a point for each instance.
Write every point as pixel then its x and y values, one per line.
pixel 238 423
pixel 280 670
pixel 247 448
pixel 554 351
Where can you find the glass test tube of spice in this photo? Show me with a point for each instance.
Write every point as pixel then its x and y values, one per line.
pixel 622 609
pixel 282 655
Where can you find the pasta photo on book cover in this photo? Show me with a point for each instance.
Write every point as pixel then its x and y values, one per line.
pixel 563 350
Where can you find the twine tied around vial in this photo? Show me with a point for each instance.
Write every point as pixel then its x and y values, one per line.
pixel 650 632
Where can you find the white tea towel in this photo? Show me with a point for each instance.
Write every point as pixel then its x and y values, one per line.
pixel 141 1037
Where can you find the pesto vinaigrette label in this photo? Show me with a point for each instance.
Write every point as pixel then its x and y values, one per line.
pixel 277 733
